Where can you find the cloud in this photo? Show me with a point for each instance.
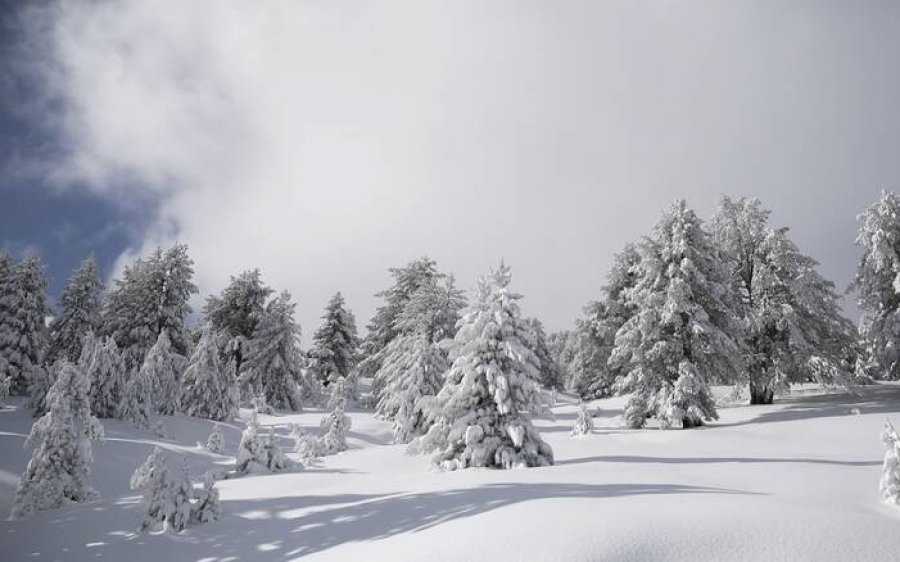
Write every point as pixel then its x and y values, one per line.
pixel 325 141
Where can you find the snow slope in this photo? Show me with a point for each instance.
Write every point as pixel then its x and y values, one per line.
pixel 794 481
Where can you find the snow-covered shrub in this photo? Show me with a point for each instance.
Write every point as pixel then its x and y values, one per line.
pixel 335 427
pixel 305 445
pixel 255 450
pixel 170 499
pixel 890 470
pixel 275 459
pixel 584 423
pixel 60 462
pixel 259 404
pixel 216 441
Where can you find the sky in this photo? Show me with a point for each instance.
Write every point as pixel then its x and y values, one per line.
pixel 325 141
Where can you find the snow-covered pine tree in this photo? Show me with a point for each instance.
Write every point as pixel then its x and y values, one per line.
pixel 305 445
pixel 216 441
pixel 166 495
pixel 275 459
pixel 4 387
pixel 682 334
pixel 206 507
pixel 39 386
pixel 562 348
pixel 204 385
pixel 79 313
pixel 138 405
pixel 273 360
pixel 151 296
pixel 61 453
pixel 550 371
pixel 414 368
pixel 584 423
pixel 335 425
pixel 235 313
pixel 107 377
pixel 877 283
pixel 23 330
pixel 793 326
pixel 335 344
pixel 163 367
pixel 889 486
pixel 250 449
pixel 594 338
pixel 481 416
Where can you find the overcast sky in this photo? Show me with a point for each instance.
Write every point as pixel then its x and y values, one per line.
pixel 325 141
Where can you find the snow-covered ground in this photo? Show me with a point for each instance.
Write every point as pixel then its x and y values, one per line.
pixel 794 481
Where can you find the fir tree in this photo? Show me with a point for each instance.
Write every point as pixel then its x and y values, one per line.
pixel 335 344
pixel 595 335
pixel 138 406
pixel 414 368
pixel 39 386
pixel 550 372
pixel 166 495
pixel 206 507
pixel 481 416
pixel 584 423
pixel 107 378
pixel 79 313
pixel 61 453
pixel 204 386
pixel 151 296
pixel 793 326
pixel 216 441
pixel 235 314
pixel 162 368
pixel 877 283
pixel 336 424
pixel 23 330
pixel 273 362
pixel 889 486
pixel 683 333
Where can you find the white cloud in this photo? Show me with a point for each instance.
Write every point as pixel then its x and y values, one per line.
pixel 325 141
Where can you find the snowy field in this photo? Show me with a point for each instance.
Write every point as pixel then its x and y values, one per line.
pixel 794 481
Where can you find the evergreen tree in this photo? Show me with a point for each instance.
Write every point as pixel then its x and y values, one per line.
pixel 206 507
pixel 23 339
pixel 336 424
pixel 79 313
pixel 107 378
pixel 416 373
pixel 216 441
pixel 584 423
pixel 204 386
pixel 256 451
pixel 481 416
pixel 39 386
pixel 889 486
pixel 166 495
pixel 235 314
pixel 335 343
pixel 61 453
pixel 4 387
pixel 794 330
pixel 138 406
pixel 562 348
pixel 877 283
pixel 682 334
pixel 151 296
pixel 273 361
pixel 550 372
pixel 162 368
pixel 595 334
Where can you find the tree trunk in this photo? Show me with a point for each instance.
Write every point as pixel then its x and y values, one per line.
pixel 761 394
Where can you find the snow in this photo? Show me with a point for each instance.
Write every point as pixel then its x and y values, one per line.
pixel 797 480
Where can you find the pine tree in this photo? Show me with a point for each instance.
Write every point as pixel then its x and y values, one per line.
pixel 550 372
pixel 61 453
pixel 793 326
pixel 273 360
pixel 163 367
pixel 414 368
pixel 682 335
pixel 235 314
pixel 79 313
pixel 335 344
pixel 216 441
pixel 562 348
pixel 595 334
pixel 151 296
pixel 877 283
pixel 584 423
pixel 255 450
pixel 4 387
pixel 481 416
pixel 107 377
pixel 23 339
pixel 38 387
pixel 204 386
pixel 336 424
pixel 138 405
pixel 207 507
pixel 167 496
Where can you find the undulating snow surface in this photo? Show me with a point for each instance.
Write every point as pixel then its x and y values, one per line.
pixel 794 481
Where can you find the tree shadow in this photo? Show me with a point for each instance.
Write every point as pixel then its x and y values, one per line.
pixel 873 399
pixel 710 460
pixel 285 528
